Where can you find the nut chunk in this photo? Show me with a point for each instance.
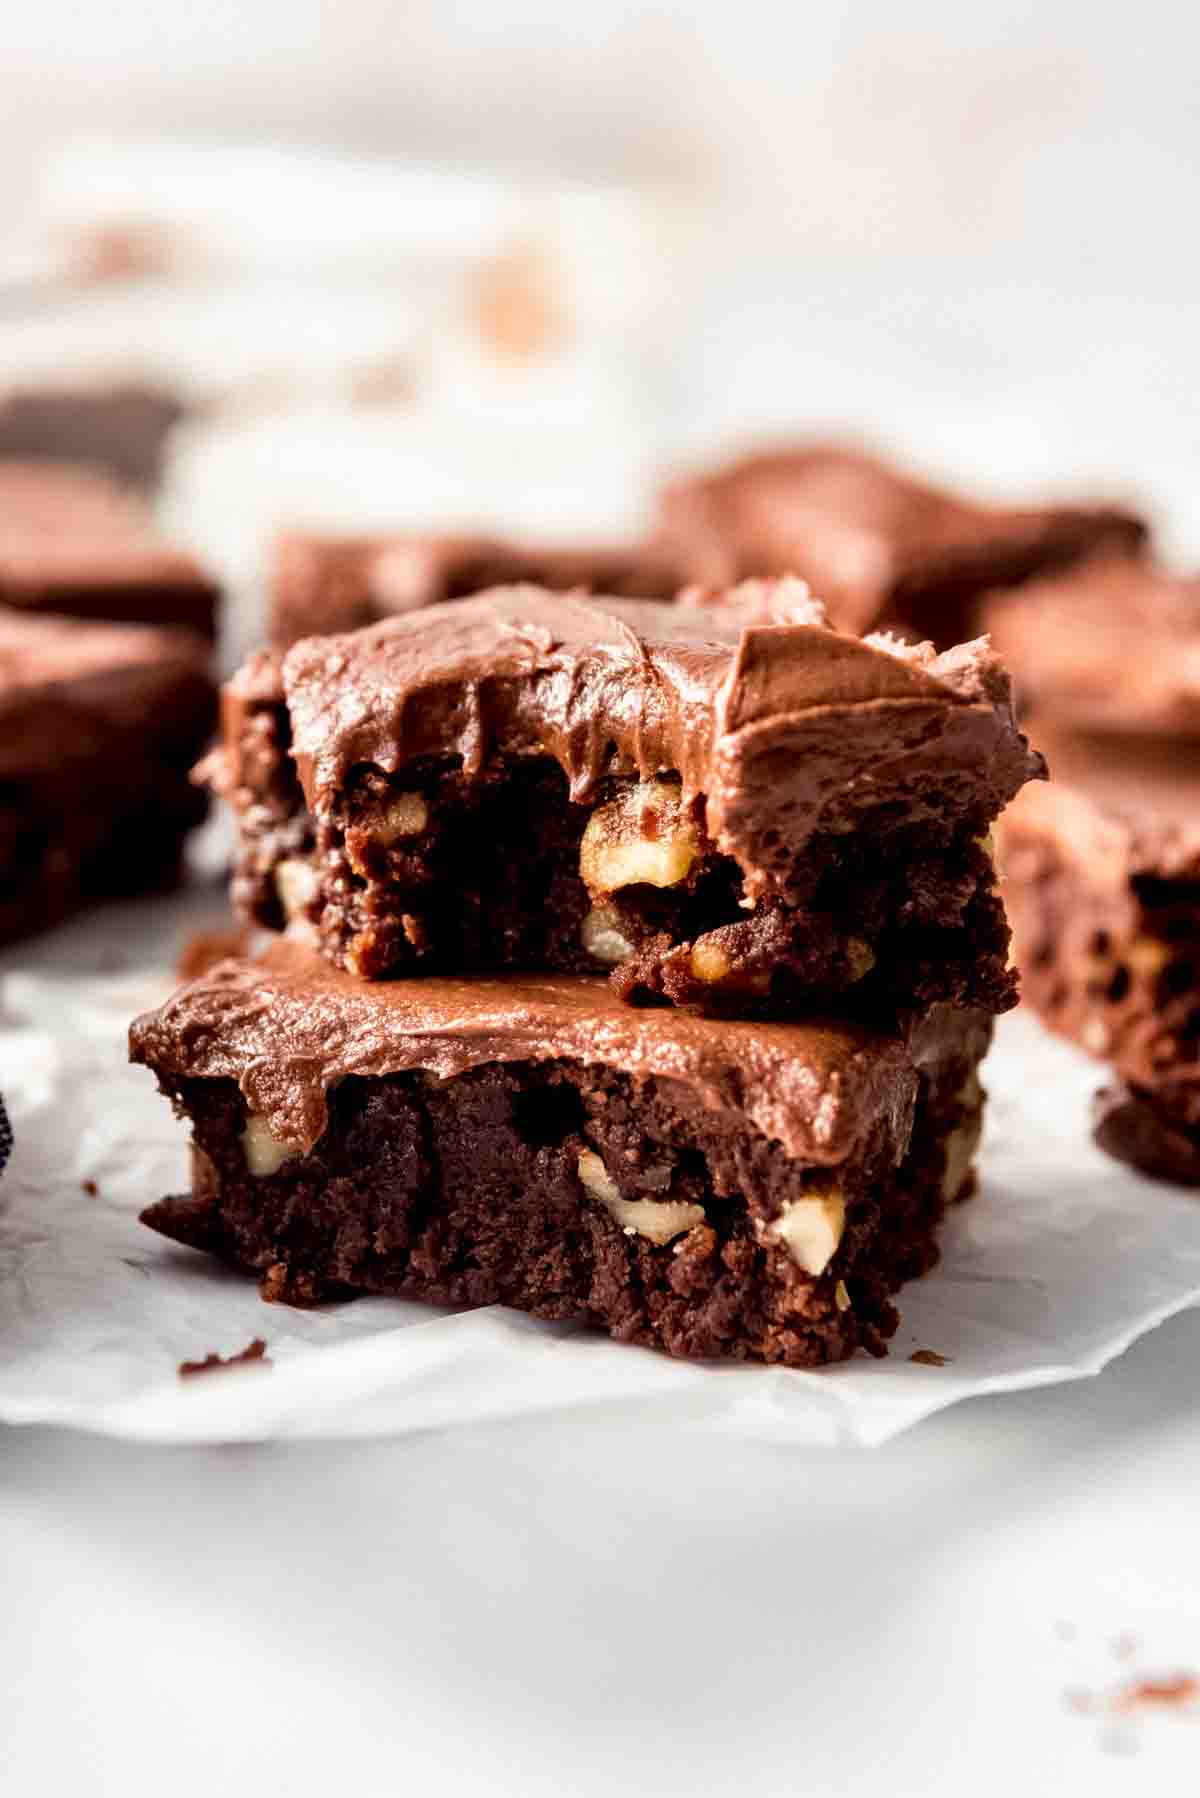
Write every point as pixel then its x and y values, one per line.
pixel 733 808
pixel 711 1187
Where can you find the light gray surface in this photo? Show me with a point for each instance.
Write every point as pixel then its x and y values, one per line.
pixel 602 1607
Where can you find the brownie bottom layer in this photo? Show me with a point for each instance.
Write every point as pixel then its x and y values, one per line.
pixel 575 1192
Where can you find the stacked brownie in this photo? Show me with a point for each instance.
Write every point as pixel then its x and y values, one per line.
pixel 1102 867
pixel 634 967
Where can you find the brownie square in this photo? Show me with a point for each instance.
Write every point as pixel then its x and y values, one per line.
pixel 99 726
pixel 1113 646
pixel 117 427
pixel 72 541
pixel 876 544
pixel 735 809
pixel 320 584
pixel 1102 881
pixel 752 1191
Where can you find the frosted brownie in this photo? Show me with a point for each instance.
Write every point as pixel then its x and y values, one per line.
pixel 757 1191
pixel 71 541
pixel 99 725
pixel 737 809
pixel 1112 647
pixel 880 546
pixel 1102 881
pixel 329 584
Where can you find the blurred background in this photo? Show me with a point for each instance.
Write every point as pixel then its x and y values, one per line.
pixel 501 265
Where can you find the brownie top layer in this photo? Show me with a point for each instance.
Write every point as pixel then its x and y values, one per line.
pixel 322 583
pixel 1115 645
pixel 61 678
pixel 288 1026
pixel 67 528
pixel 1116 806
pixel 782 724
pixel 860 530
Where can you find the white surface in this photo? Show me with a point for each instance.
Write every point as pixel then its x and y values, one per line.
pixel 610 1606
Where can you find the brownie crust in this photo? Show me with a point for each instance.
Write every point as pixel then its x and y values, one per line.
pixel 879 546
pixel 738 809
pixel 756 1192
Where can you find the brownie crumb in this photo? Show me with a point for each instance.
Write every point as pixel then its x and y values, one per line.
pixel 90 1188
pixel 1178 1692
pixel 255 1351
pixel 929 1358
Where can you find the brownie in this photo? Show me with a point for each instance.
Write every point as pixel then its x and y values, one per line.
pixel 1102 881
pixel 756 1191
pixel 736 809
pixel 322 584
pixel 1113 646
pixel 72 541
pixel 119 427
pixel 99 726
pixel 1134 1126
pixel 879 546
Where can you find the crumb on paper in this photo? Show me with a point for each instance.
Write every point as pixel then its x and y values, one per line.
pixel 254 1352
pixel 89 1188
pixel 1124 1646
pixel 929 1358
pixel 1177 1691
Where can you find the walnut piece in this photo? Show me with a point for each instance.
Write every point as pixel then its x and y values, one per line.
pixel 658 1220
pixel 406 816
pixel 601 936
pixel 810 1229
pixel 296 883
pixel 265 1154
pixel 642 838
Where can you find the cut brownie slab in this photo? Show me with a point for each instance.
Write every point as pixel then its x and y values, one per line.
pixel 322 584
pixel 119 427
pixel 880 546
pixel 1102 881
pixel 737 809
pixel 99 724
pixel 755 1191
pixel 71 541
pixel 1113 646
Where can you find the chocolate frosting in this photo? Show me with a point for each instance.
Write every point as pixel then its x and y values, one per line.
pixel 1112 647
pixel 287 1027
pixel 779 725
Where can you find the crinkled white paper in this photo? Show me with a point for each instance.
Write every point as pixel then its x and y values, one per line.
pixel 1060 1263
